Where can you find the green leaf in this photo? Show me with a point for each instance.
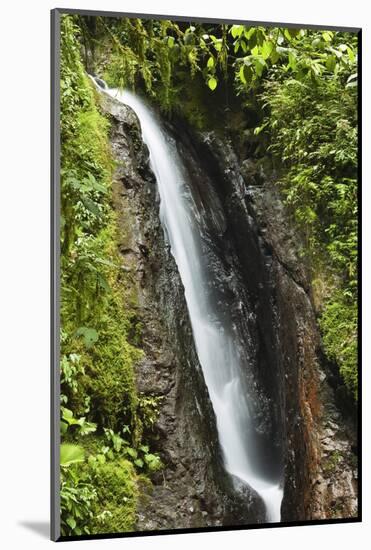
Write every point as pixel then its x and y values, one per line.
pixel 188 39
pixel 259 129
pixel 274 56
pixel 293 33
pixel 71 454
pixel 117 443
pixel 153 462
pixel 211 62
pixel 131 452
pixel 245 72
pixel 67 414
pixel 95 185
pixel 327 36
pixel 292 60
pixel 236 30
pixel 241 74
pixel 287 34
pixel 103 282
pixel 251 36
pixel 249 33
pixel 91 206
pixel 91 460
pixel 170 41
pixel 71 522
pixel 90 335
pixel 86 427
pixel 150 458
pixel 330 63
pixel 212 83
pixel 266 49
pixel 139 462
pixel 259 65
pixel 351 54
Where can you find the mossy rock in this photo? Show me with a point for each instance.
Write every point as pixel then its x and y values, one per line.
pixel 117 490
pixel 111 383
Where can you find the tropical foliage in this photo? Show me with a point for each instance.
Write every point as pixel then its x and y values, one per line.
pixel 301 86
pixel 102 422
pixel 298 91
pixel 313 131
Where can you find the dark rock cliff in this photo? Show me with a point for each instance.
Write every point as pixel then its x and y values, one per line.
pixel 320 478
pixel 303 439
pixel 317 440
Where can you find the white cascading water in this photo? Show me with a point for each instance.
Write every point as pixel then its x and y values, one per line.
pixel 217 352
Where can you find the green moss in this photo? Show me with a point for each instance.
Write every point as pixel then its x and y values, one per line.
pixel 111 382
pixel 91 145
pixel 97 297
pixel 115 508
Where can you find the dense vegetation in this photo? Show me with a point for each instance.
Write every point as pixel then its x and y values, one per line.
pixel 103 422
pixel 313 132
pixel 298 89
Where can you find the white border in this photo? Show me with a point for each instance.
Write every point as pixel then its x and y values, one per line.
pixel 24 284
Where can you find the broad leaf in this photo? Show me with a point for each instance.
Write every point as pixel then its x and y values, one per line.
pixel 71 522
pixel 90 335
pixel 211 62
pixel 212 83
pixel 71 454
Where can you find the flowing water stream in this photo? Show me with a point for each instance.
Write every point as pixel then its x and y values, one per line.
pixel 215 345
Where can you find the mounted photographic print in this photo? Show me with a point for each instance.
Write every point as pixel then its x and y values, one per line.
pixel 204 286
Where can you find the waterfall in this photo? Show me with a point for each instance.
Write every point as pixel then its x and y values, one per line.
pixel 214 340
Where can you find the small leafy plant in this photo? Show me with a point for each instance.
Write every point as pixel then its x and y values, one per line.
pixel 83 426
pixel 77 494
pixel 141 456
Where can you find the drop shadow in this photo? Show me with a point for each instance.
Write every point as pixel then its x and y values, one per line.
pixel 41 528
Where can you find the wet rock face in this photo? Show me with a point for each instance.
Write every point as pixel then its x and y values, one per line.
pixel 316 442
pixel 193 490
pixel 241 285
pixel 263 287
